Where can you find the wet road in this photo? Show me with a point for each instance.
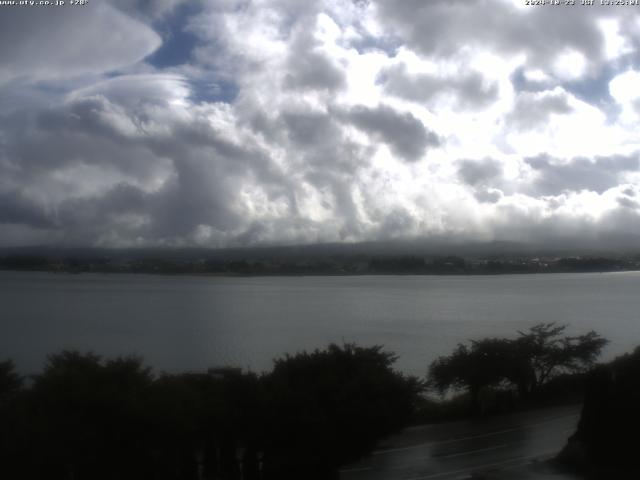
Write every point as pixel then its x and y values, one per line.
pixel 500 447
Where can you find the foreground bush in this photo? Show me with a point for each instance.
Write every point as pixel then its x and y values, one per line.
pixel 85 417
pixel 605 444
pixel 332 406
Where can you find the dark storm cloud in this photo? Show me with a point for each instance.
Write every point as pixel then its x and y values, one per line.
pixel 470 89
pixel 15 208
pixel 533 109
pixel 402 132
pixel 598 174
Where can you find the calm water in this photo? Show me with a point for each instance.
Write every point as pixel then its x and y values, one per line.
pixel 189 323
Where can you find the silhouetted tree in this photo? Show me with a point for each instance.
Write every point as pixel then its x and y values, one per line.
pixel 12 435
pixel 87 418
pixel 527 362
pixel 331 406
pixel 10 381
pixel 201 423
pixel 548 353
pixel 483 363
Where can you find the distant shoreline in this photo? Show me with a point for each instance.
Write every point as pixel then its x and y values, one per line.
pixel 344 274
pixel 292 264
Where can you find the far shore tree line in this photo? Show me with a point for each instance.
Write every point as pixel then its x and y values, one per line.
pixel 86 417
pixel 355 264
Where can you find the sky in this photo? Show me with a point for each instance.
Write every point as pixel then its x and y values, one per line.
pixel 227 123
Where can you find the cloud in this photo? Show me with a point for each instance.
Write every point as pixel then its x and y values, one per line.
pixel 488 195
pixel 16 209
pixel 401 131
pixel 309 68
pixel 485 177
pixel 294 122
pixel 445 28
pixel 58 43
pixel 532 109
pixel 479 172
pixel 138 90
pixel 468 89
pixel 118 151
pixel 150 9
pixel 310 129
pixel 597 175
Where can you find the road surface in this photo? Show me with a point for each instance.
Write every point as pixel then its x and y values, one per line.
pixel 502 447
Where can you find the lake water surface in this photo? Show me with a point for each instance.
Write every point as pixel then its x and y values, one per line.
pixel 190 323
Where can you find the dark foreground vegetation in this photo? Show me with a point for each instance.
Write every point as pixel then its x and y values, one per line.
pixel 606 443
pixel 85 417
pixel 540 365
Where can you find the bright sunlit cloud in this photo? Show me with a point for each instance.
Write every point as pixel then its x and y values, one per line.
pixel 271 121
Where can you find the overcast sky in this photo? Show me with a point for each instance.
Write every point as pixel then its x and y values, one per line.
pixel 245 122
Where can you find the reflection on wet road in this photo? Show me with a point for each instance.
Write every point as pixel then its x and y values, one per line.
pixel 461 449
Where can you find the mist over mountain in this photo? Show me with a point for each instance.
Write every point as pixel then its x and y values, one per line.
pixel 611 247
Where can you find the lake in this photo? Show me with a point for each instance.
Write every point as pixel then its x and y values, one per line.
pixel 180 323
